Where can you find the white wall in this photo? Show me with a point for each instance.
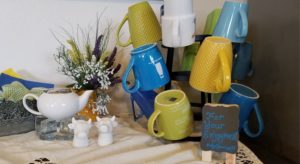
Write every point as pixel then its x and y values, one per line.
pixel 27 45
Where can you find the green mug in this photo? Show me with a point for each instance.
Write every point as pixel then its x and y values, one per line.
pixel 211 21
pixel 143 25
pixel 173 115
pixel 189 54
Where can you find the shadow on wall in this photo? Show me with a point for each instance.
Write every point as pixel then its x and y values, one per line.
pixel 275 38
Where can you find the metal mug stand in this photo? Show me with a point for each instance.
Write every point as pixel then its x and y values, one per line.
pixel 184 76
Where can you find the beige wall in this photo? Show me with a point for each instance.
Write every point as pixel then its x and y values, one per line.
pixel 274 32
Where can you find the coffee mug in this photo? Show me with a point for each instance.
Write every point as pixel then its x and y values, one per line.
pixel 211 71
pixel 246 98
pixel 211 21
pixel 178 31
pixel 242 62
pixel 172 112
pixel 233 22
pixel 178 7
pixel 145 101
pixel 143 25
pixel 189 54
pixel 149 68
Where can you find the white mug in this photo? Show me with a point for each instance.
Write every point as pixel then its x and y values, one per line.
pixel 178 31
pixel 178 7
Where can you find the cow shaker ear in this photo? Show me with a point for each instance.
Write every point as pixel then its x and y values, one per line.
pixel 73 120
pixel 90 121
pixel 71 126
pixel 98 118
pixel 113 118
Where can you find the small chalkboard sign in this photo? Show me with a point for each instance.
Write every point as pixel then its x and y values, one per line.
pixel 220 128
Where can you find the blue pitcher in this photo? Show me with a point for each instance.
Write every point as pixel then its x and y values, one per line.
pixel 149 68
pixel 246 98
pixel 145 101
pixel 233 22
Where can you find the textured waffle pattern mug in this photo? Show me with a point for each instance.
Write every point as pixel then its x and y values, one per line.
pixel 143 25
pixel 211 71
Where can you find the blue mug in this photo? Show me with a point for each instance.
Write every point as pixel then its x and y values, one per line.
pixel 145 101
pixel 149 69
pixel 233 22
pixel 246 98
pixel 242 62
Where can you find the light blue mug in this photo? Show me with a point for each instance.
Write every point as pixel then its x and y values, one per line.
pixel 246 98
pixel 233 22
pixel 149 68
pixel 242 62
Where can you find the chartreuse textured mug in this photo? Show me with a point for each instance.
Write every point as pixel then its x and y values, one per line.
pixel 211 71
pixel 143 25
pixel 172 112
pixel 211 21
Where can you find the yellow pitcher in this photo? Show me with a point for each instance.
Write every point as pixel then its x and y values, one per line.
pixel 211 71
pixel 143 25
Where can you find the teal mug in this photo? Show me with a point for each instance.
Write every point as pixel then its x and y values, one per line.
pixel 233 22
pixel 242 62
pixel 246 98
pixel 149 69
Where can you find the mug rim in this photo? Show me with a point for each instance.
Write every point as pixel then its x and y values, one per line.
pixel 171 90
pixel 238 93
pixel 236 2
pixel 211 39
pixel 138 4
pixel 139 49
pixel 187 16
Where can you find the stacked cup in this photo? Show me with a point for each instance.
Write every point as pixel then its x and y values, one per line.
pixel 233 24
pixel 212 70
pixel 147 63
pixel 178 23
pixel 170 109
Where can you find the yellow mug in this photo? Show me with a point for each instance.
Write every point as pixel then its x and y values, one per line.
pixel 173 115
pixel 211 71
pixel 143 25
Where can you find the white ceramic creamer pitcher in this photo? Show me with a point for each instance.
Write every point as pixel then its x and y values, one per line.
pixel 58 104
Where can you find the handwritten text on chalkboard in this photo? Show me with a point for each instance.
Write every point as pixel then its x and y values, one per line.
pixel 220 128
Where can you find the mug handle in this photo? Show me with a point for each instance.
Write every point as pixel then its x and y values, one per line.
pixel 118 33
pixel 244 24
pixel 226 81
pixel 151 122
pixel 125 76
pixel 251 70
pixel 260 123
pixel 175 32
pixel 27 107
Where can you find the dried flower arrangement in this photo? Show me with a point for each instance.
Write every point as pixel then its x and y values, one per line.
pixel 92 67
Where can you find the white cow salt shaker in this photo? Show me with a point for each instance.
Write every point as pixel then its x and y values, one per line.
pixel 81 132
pixel 105 127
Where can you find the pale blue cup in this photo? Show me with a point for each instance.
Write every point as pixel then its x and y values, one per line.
pixel 149 69
pixel 233 22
